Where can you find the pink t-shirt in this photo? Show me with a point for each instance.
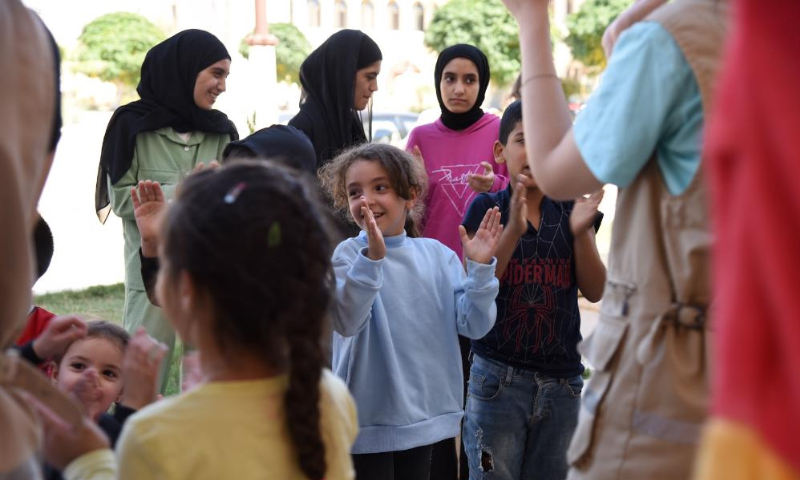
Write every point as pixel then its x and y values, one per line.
pixel 450 156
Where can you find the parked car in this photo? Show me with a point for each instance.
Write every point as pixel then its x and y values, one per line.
pixel 392 127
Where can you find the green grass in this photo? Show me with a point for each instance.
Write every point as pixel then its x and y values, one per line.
pixel 101 302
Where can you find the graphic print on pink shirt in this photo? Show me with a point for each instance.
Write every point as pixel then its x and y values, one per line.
pixel 454 183
pixel 450 156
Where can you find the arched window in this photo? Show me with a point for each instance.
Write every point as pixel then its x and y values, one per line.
pixel 340 16
pixel 419 16
pixel 367 14
pixel 313 13
pixel 394 15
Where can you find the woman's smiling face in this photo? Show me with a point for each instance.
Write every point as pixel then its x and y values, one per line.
pixel 210 83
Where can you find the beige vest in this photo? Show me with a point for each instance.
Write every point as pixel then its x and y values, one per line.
pixel 643 407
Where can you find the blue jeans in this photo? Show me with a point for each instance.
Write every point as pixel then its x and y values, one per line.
pixel 518 423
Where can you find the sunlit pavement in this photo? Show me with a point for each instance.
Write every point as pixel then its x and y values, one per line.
pixel 86 252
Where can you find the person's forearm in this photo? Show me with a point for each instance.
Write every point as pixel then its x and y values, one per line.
pixel 590 272
pixel 505 249
pixel 358 282
pixel 545 109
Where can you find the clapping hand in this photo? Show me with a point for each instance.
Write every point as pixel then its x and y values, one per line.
pixel 140 369
pixel 63 443
pixel 148 203
pixel 376 246
pixel 483 245
pixel 58 335
pixel 625 20
pixel 482 183
pixel 518 220
pixel 584 212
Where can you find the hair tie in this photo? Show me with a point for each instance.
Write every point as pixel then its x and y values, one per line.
pixel 274 235
pixel 234 192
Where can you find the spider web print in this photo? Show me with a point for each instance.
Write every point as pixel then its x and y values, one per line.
pixel 535 289
pixel 516 324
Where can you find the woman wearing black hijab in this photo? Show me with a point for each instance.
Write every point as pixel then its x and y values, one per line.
pixel 458 152
pixel 162 137
pixel 279 143
pixel 338 80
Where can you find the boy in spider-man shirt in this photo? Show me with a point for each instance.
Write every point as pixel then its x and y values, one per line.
pixel 525 378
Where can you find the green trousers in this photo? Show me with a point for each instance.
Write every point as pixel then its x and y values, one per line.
pixel 139 312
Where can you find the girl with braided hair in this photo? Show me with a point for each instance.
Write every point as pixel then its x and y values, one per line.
pixel 245 261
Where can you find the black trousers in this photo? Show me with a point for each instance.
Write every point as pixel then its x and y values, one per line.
pixel 414 464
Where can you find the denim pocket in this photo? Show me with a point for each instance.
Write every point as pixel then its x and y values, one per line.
pixel 574 386
pixel 483 384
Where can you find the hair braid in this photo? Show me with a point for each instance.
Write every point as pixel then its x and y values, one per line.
pixel 232 230
pixel 306 360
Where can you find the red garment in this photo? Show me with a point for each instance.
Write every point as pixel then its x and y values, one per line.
pixel 38 320
pixel 754 160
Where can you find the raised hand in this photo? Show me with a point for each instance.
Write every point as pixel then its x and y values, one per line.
pixel 518 219
pixel 63 444
pixel 140 369
pixel 86 392
pixel 148 203
pixel 376 246
pixel 584 212
pixel 202 166
pixel 482 183
pixel 59 334
pixel 633 14
pixel 483 245
pixel 519 8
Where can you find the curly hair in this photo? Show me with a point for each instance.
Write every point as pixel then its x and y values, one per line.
pixel 406 174
pixel 254 238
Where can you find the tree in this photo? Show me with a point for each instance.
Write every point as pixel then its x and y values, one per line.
pixel 485 24
pixel 292 49
pixel 113 47
pixel 586 27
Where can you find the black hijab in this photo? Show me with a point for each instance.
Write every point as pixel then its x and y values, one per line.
pixel 460 121
pixel 166 89
pixel 280 142
pixel 328 80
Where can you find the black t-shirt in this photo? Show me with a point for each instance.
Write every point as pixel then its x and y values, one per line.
pixel 538 321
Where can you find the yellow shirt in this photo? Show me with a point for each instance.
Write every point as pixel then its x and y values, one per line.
pixel 233 430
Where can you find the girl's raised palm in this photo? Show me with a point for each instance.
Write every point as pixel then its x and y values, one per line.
pixel 376 246
pixel 483 245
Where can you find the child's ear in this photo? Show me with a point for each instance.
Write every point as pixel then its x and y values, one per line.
pixel 412 200
pixel 498 150
pixel 186 291
pixel 54 373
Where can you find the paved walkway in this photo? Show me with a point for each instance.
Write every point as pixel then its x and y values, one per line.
pixel 86 252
